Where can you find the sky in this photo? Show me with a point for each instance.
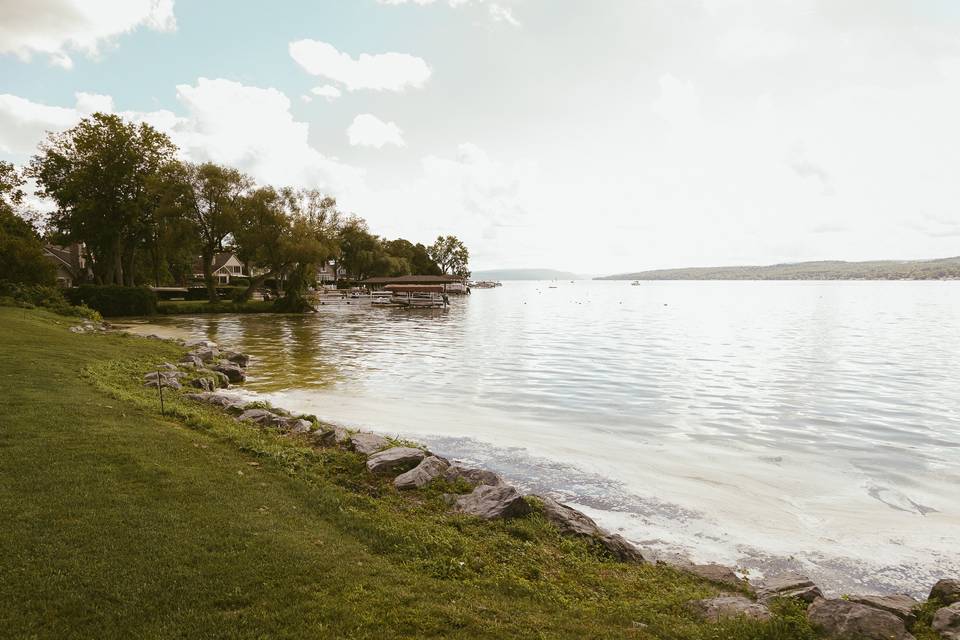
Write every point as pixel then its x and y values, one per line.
pixel 585 135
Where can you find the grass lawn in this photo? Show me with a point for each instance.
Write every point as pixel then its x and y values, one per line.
pixel 120 523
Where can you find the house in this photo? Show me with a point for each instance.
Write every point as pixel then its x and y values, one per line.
pixel 225 266
pixel 70 263
pixel 330 271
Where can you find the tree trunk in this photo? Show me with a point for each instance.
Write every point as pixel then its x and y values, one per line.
pixel 255 283
pixel 208 275
pixel 117 266
pixel 129 270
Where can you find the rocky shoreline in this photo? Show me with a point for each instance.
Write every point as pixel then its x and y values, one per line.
pixel 206 369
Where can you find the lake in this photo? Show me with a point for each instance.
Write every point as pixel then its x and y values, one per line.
pixel 768 425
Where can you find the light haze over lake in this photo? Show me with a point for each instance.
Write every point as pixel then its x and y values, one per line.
pixel 813 425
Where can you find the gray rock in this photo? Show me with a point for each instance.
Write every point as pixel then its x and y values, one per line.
pixel 422 474
pixel 240 359
pixel 489 503
pixel 570 521
pixel 323 438
pixel 214 399
pixel 727 607
pixel 622 549
pixel 206 384
pixel 367 443
pixel 472 476
pixel 191 361
pixel 205 354
pixel 166 375
pixel 788 585
pixel 261 417
pixel 946 622
pixel 201 343
pixel 233 372
pixel 295 426
pixel 395 459
pixel 841 619
pixel 946 591
pixel 899 605
pixel 716 573
pixel 166 383
pixel 169 367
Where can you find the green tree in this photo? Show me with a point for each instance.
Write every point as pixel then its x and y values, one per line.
pixel 208 197
pixel 22 259
pixel 359 249
pixel 98 174
pixel 451 255
pixel 312 240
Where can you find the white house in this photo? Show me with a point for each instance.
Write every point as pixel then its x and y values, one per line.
pixel 225 266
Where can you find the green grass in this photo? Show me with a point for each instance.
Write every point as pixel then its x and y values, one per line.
pixel 172 307
pixel 120 523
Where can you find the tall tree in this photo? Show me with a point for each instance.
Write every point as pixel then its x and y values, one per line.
pixel 21 251
pixel 208 197
pixel 98 173
pixel 451 255
pixel 312 240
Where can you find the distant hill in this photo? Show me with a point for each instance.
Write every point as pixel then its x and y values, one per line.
pixel 523 274
pixel 941 269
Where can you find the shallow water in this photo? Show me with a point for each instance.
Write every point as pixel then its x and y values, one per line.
pixel 810 425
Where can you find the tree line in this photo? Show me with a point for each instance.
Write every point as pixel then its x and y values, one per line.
pixel 144 216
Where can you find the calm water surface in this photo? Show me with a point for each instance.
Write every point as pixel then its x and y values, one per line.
pixel 808 425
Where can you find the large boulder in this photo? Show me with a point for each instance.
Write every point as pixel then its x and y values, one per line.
pixel 788 585
pixel 472 476
pixel 622 549
pixel 205 354
pixel 240 359
pixel 946 591
pixel 215 399
pixel 167 383
pixel 844 620
pixel 570 521
pixel 233 372
pixel 206 384
pixel 716 573
pixel 261 417
pixel 367 443
pixel 166 375
pixel 899 605
pixel 191 361
pixel 946 622
pixel 726 607
pixel 422 474
pixel 395 459
pixel 490 503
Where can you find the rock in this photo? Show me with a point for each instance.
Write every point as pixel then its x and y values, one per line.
pixel 166 375
pixel 206 384
pixel 395 459
pixel 295 426
pixel 191 361
pixel 240 359
pixel 473 476
pixel 570 521
pixel 168 383
pixel 490 502
pixel 899 605
pixel 214 399
pixel 716 573
pixel 842 619
pixel 788 585
pixel 323 438
pixel 422 474
pixel 946 591
pixel 200 342
pixel 169 367
pixel 367 443
pixel 261 417
pixel 233 372
pixel 946 622
pixel 726 607
pixel 622 549
pixel 205 354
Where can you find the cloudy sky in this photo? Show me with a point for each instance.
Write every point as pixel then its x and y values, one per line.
pixel 595 136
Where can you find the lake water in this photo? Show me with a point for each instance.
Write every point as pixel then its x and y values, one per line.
pixel 769 425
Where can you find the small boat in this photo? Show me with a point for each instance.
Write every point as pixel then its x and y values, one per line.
pixel 635 283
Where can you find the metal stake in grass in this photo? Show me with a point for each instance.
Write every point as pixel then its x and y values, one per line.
pixel 160 389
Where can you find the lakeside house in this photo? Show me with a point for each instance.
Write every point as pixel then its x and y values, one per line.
pixel 70 262
pixel 330 272
pixel 449 284
pixel 225 266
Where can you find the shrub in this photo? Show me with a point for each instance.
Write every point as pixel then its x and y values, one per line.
pixel 50 298
pixel 114 300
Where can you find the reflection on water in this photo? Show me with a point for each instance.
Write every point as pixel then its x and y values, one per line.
pixel 777 417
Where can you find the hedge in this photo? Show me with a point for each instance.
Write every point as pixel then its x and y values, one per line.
pixel 114 300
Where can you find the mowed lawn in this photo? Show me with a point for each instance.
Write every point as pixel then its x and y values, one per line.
pixel 118 523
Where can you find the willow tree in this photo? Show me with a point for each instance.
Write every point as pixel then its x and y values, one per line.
pixel 99 173
pixel 451 255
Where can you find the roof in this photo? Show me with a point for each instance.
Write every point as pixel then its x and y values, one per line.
pixel 415 288
pixel 414 280
pixel 63 257
pixel 219 260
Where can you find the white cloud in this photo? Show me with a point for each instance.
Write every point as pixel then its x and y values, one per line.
pixel 327 91
pixel 56 28
pixel 503 14
pixel 367 130
pixel 380 72
pixel 215 127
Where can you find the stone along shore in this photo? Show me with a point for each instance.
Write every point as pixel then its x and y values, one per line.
pixel 207 368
